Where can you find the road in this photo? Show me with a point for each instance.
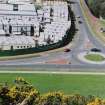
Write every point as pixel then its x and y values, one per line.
pixel 84 40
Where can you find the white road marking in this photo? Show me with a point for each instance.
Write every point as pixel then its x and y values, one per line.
pixel 48 72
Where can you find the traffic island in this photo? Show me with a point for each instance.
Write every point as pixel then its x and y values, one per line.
pixel 92 57
pixel 95 57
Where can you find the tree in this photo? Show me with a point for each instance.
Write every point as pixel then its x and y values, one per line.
pixel 102 13
pixel 95 6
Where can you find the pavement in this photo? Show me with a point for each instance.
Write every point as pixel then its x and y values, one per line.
pixel 84 40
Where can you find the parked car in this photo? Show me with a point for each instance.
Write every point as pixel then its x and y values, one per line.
pixel 67 50
pixel 95 50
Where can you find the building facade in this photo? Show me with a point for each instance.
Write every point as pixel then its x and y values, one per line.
pixel 24 25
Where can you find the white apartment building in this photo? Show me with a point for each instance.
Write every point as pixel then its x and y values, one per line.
pixel 22 25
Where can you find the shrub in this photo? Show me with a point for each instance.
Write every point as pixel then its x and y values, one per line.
pixel 51 98
pixel 97 101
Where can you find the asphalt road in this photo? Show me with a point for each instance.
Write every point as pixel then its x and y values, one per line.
pixel 84 40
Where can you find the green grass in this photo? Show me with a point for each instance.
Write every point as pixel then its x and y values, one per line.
pixel 69 84
pixel 94 57
pixel 103 23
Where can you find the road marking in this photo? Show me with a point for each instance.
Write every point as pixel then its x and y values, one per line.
pixel 48 72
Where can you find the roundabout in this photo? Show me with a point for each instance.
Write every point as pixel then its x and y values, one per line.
pixel 51 60
pixel 92 57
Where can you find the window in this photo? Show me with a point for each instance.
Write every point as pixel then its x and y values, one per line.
pixel 15 7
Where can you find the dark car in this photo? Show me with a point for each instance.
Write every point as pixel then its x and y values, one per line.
pixel 67 50
pixel 78 16
pixel 80 22
pixel 95 50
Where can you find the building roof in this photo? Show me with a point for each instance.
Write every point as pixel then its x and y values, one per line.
pixel 19 1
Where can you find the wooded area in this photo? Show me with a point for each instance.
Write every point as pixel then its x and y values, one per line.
pixel 97 7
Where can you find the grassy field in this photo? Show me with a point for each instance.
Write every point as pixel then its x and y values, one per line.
pixel 95 57
pixel 70 84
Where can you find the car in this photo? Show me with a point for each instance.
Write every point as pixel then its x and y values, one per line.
pixel 67 50
pixel 95 50
pixel 77 29
pixel 78 16
pixel 80 22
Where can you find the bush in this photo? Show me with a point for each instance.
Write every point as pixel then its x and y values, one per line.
pixel 53 98
pixel 75 100
pixel 18 92
pixel 97 101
